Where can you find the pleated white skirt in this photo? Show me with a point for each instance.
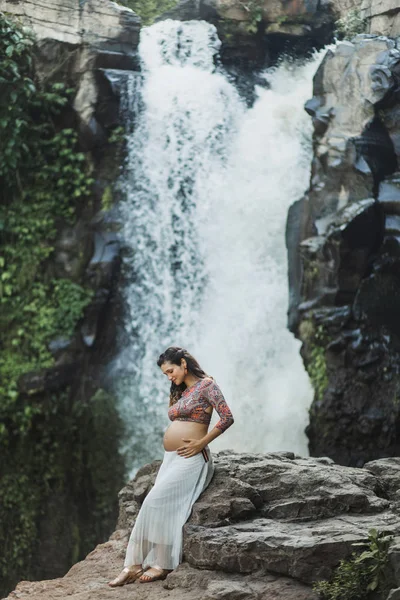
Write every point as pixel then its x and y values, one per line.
pixel 156 539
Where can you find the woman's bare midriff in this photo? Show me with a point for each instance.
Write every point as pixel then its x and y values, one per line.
pixel 183 429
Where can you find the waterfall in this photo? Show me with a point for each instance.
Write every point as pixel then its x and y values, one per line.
pixel 208 183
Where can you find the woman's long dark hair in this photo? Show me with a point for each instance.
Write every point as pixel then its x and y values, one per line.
pixel 174 355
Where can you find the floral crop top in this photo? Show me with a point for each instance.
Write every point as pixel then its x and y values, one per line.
pixel 194 401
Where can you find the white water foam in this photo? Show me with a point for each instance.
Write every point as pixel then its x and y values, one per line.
pixel 208 185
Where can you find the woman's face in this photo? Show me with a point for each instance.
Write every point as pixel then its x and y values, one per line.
pixel 175 373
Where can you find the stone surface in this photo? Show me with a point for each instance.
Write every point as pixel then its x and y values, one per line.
pixel 388 472
pixel 343 244
pixel 382 16
pixel 267 527
pixel 294 12
pixel 255 34
pixel 342 7
pixel 48 380
pixel 294 18
pixel 350 82
pixel 298 517
pixel 76 38
pixel 90 577
pixel 102 24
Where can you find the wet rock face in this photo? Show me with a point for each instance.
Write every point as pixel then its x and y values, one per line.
pixel 255 33
pixel 343 241
pixel 267 526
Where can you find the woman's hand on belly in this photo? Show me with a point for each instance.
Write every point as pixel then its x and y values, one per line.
pixel 190 448
pixel 179 430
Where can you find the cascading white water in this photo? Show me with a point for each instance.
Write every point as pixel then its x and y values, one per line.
pixel 208 185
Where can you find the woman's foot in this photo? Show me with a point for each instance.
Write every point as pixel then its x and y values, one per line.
pixel 127 575
pixel 153 574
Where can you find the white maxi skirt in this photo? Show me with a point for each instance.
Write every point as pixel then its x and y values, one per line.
pixel 156 539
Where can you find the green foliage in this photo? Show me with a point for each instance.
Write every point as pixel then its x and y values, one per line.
pixel 316 364
pixel 351 25
pixel 50 310
pixel 117 135
pixel 42 177
pixel 17 516
pixel 103 419
pixel 148 10
pixel 282 19
pixel 254 10
pixel 26 111
pixel 107 199
pixel 361 575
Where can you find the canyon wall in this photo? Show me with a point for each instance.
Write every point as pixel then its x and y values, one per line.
pixel 343 244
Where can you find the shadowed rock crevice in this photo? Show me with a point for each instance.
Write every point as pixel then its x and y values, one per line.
pixel 375 153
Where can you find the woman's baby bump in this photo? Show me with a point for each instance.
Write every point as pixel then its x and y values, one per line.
pixel 179 430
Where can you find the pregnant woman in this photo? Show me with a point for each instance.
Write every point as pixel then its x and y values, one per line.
pixel 155 544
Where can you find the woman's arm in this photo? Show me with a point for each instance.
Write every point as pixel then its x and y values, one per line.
pixel 216 399
pixel 210 436
pixel 193 447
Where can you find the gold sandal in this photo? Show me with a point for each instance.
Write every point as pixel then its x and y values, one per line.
pixel 126 576
pixel 162 573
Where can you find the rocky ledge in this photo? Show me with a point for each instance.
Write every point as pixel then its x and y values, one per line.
pixel 268 526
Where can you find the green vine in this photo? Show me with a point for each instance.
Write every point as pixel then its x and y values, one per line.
pixel 254 10
pixel 363 575
pixel 350 25
pixel 282 19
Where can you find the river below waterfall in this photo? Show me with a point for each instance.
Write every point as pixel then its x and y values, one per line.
pixel 208 183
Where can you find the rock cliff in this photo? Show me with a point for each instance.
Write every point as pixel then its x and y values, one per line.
pixel 343 242
pixel 382 16
pixel 267 527
pixel 78 40
pixel 254 33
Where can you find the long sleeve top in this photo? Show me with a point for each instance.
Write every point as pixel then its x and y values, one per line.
pixel 194 401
